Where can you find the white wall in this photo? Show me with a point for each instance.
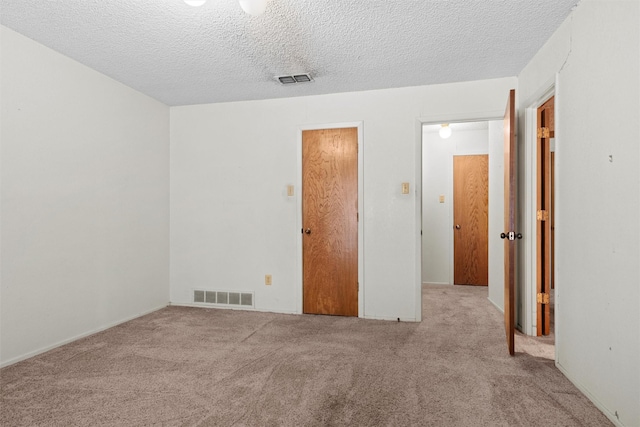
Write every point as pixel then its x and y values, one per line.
pixel 496 213
pixel 595 56
pixel 437 179
pixel 85 201
pixel 231 222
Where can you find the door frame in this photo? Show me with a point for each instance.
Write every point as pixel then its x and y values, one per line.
pixel 544 244
pixel 298 197
pixel 529 221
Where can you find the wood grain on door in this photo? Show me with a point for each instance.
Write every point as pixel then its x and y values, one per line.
pixel 330 221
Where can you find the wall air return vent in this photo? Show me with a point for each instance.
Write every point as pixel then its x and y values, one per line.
pixel 198 296
pixel 223 298
pixel 296 78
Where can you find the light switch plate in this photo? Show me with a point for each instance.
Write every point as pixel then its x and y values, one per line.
pixel 405 188
pixel 267 279
pixel 441 198
pixel 290 190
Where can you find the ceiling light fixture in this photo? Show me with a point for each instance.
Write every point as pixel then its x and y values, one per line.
pixel 253 7
pixel 195 3
pixel 445 131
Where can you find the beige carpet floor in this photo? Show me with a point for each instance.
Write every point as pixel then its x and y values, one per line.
pixel 202 367
pixel 542 346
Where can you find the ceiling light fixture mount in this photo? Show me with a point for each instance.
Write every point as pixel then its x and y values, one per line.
pixel 253 7
pixel 195 3
pixel 445 131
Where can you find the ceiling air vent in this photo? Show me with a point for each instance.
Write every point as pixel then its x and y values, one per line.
pixel 297 78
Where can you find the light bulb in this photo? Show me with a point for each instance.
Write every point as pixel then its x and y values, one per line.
pixel 445 131
pixel 195 3
pixel 253 7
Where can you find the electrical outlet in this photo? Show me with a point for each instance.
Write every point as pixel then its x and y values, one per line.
pixel 267 279
pixel 441 198
pixel 290 190
pixel 405 188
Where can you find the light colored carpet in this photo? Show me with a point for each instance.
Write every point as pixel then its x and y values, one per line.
pixel 201 367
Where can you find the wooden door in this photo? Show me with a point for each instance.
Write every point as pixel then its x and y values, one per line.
pixel 544 216
pixel 510 205
pixel 330 221
pixel 471 221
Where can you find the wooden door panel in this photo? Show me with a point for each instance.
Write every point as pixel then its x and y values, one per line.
pixel 330 221
pixel 510 164
pixel 470 215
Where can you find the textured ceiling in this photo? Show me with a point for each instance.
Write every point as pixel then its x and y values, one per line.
pixel 182 55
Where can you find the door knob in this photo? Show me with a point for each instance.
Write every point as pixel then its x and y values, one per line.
pixel 511 235
pixel 307 231
pixel 457 226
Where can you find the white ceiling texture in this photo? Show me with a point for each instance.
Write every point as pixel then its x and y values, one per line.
pixel 183 55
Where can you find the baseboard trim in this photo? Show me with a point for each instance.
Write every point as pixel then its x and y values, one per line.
pixel 591 397
pixel 496 305
pixel 263 310
pixel 436 283
pixel 391 319
pixel 77 337
pixel 232 307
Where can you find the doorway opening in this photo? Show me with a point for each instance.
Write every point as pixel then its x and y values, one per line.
pixel 502 222
pixel 540 291
pixel 462 186
pixel 436 252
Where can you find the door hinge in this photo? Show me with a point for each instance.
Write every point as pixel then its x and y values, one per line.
pixel 542 298
pixel 542 215
pixel 544 133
